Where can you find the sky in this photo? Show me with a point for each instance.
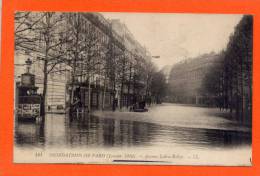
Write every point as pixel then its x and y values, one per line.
pixel 175 37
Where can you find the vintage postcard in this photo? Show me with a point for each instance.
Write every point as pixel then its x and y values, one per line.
pixel 133 88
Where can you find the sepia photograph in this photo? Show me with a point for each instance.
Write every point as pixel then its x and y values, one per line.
pixel 133 88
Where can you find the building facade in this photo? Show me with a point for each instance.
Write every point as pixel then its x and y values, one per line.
pixel 108 66
pixel 186 79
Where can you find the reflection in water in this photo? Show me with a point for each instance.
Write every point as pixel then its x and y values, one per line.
pixel 27 134
pixel 58 131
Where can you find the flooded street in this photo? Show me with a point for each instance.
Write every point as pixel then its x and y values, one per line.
pixel 104 68
pixel 167 126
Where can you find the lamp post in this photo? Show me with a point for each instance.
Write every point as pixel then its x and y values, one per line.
pixel 28 63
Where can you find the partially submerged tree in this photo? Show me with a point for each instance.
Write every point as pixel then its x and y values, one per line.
pixel 84 53
pixel 238 69
pixel 40 32
pixel 231 80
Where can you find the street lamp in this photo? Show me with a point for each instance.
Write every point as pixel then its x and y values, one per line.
pixel 28 63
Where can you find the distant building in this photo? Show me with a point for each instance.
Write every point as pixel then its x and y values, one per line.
pixel 186 79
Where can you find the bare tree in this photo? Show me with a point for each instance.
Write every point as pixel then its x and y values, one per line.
pixel 40 32
pixel 150 69
pixel 238 69
pixel 25 26
pixel 84 51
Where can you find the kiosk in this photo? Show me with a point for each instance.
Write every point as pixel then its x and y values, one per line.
pixel 29 101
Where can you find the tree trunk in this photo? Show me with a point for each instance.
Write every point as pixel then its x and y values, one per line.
pixel 45 81
pixel 114 95
pixel 128 87
pixel 45 66
pixel 242 93
pixel 122 84
pixel 89 95
pixel 248 109
pixel 231 97
pixel 104 95
pixel 71 96
pixel 121 95
pixel 250 93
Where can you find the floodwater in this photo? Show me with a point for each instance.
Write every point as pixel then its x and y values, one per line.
pixel 168 127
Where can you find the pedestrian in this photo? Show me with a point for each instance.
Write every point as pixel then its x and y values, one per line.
pixel 114 104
